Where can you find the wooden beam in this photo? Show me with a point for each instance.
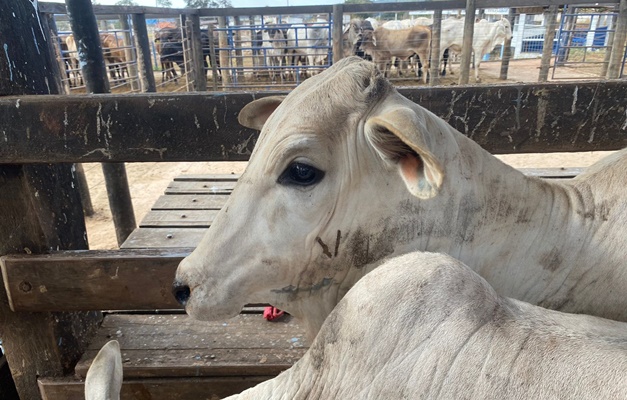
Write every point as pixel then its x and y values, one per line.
pixel 92 280
pixel 155 388
pixel 581 116
pixel 160 345
pixel 41 209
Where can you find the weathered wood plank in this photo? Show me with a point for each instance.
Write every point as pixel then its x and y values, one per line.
pixel 203 187
pixel 177 345
pixel 40 208
pixel 92 280
pixel 518 118
pixel 208 177
pixel 164 238
pixel 187 202
pixel 213 388
pixel 179 218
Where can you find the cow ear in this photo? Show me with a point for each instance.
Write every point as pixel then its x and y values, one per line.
pixel 104 377
pixel 255 113
pixel 399 136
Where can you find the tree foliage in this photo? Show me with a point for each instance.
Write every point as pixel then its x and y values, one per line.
pixel 164 3
pixel 208 3
pixel 125 3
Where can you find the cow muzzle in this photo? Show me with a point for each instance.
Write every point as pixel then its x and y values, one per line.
pixel 181 292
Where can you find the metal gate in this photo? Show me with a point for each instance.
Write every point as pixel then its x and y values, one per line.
pixel 583 44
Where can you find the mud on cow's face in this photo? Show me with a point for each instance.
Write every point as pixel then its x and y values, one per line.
pixel 309 210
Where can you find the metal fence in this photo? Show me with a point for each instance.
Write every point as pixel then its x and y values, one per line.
pixel 279 50
pixel 116 37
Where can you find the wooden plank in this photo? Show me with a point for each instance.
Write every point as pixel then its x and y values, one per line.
pixel 164 238
pixel 95 127
pixel 208 177
pixel 92 280
pixel 177 345
pixel 194 187
pixel 179 218
pixel 40 208
pixel 187 202
pixel 213 388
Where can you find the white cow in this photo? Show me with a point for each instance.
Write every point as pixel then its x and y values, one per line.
pixel 347 172
pixel 274 44
pixel 309 41
pixel 104 377
pixel 407 23
pixel 486 35
pixel 424 325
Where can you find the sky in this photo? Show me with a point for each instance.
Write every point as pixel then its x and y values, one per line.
pixel 236 3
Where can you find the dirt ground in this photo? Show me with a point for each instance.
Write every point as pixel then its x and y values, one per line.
pixel 148 181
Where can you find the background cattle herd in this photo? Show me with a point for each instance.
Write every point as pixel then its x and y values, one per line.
pixel 286 53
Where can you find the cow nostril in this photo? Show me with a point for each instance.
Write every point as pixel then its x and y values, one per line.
pixel 181 293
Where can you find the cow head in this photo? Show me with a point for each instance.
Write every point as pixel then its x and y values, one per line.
pixel 323 200
pixel 504 29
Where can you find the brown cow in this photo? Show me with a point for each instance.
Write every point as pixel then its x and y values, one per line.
pixel 113 51
pixel 383 44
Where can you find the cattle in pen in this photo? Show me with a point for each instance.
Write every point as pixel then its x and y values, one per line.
pixel 382 44
pixel 486 35
pixel 309 45
pixel 347 172
pixel 169 44
pixel 269 49
pixel 115 56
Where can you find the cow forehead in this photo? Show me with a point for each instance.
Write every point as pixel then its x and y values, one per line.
pixel 327 102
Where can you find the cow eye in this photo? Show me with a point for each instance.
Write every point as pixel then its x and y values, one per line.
pixel 301 175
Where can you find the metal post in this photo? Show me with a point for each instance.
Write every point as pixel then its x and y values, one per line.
pixel 128 53
pixel 547 49
pixel 239 61
pixel 507 47
pixel 85 29
pixel 609 42
pixel 223 43
pixel 212 56
pixel 145 73
pixel 338 18
pixel 434 67
pixel 190 74
pixel 83 188
pixel 469 28
pixel 198 57
pixel 618 47
pixel 55 50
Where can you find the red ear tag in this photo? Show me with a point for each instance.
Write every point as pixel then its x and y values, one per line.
pixel 272 313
